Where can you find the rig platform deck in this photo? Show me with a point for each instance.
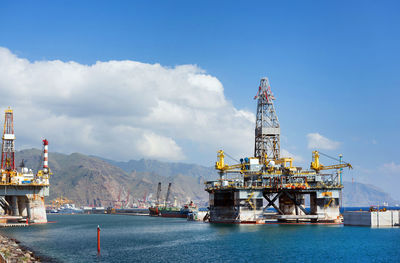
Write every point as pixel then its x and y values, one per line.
pixel 244 190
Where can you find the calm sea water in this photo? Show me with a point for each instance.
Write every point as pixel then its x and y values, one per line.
pixel 147 239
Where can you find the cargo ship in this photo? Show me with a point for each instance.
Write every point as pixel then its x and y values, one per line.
pixel 178 212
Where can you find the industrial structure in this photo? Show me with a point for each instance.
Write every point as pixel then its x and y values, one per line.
pixel 239 193
pixel 21 191
pixel 375 217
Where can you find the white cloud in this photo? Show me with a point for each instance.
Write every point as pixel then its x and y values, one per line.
pixel 122 109
pixel 296 158
pixel 391 167
pixel 156 146
pixel 317 141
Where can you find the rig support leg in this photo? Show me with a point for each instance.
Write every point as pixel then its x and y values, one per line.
pixel 296 203
pixel 22 200
pixel 14 205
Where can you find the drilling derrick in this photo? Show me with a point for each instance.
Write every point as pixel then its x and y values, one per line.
pixel 8 149
pixel 267 132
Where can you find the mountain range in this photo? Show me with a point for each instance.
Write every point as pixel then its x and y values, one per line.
pixel 93 180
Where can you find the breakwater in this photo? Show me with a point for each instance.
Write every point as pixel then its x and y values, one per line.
pixel 12 251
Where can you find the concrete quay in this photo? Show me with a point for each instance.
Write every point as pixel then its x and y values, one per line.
pixel 388 218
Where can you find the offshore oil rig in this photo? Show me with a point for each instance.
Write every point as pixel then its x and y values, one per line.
pixel 21 191
pixel 239 193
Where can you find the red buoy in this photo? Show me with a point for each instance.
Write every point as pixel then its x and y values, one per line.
pixel 98 239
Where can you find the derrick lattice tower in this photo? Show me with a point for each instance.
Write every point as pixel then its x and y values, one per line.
pixel 267 132
pixel 8 149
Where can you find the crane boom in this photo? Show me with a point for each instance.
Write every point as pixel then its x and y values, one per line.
pixel 127 198
pixel 220 164
pixel 158 193
pixel 168 191
pixel 317 166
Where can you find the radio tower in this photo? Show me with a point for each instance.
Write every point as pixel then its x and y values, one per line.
pixel 8 149
pixel 267 132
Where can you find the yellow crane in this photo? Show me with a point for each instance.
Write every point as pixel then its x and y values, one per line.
pixel 220 164
pixel 317 166
pixel 60 201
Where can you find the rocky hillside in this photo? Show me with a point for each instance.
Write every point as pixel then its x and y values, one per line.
pixel 86 178
pixel 164 168
pixel 358 194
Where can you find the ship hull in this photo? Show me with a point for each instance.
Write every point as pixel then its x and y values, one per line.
pixel 174 212
pixel 175 215
pixel 154 211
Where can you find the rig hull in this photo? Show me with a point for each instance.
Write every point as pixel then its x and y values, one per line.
pixel 20 202
pixel 246 206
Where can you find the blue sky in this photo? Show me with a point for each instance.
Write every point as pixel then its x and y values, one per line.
pixel 333 66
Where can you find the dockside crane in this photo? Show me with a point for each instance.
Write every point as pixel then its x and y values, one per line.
pixel 168 192
pixel 126 204
pixel 158 194
pixel 145 197
pixel 119 198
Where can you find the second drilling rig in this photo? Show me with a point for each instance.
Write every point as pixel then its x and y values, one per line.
pixel 22 191
pixel 238 196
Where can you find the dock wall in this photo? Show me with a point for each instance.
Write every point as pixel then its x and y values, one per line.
pixel 375 219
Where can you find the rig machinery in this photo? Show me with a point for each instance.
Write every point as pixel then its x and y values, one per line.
pixel 238 195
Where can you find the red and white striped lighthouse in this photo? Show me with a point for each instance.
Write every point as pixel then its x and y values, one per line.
pixel 46 156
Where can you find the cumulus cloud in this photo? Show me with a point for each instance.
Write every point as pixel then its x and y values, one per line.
pixel 122 109
pixel 296 158
pixel 391 167
pixel 317 141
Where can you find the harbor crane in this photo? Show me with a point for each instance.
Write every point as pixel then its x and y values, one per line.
pixel 158 194
pixel 168 192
